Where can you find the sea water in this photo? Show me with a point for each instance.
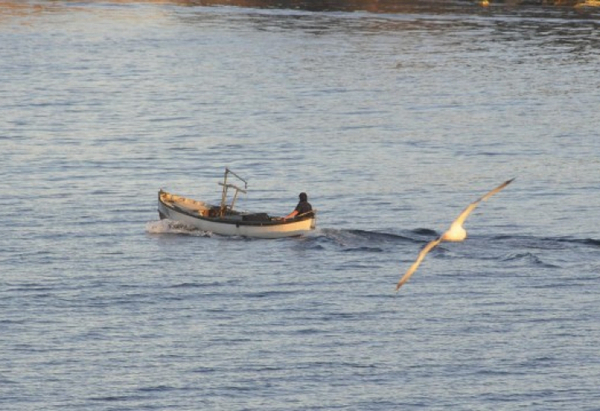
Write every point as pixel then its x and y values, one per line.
pixel 392 120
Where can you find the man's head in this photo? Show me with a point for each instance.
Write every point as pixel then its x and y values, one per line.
pixel 303 197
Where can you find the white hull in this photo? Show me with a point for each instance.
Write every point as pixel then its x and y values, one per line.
pixel 195 213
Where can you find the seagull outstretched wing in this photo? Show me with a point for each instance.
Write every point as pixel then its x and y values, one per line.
pixel 456 232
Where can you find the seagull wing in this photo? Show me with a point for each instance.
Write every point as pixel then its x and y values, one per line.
pixel 495 190
pixel 456 223
pixel 416 264
pixel 465 213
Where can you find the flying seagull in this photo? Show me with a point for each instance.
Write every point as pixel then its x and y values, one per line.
pixel 456 232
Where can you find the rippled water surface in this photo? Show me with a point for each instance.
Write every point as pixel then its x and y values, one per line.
pixel 392 120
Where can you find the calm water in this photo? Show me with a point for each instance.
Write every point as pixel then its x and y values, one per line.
pixel 392 121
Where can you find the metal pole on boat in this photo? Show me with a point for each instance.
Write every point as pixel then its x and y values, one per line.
pixel 227 170
pixel 226 186
pixel 224 194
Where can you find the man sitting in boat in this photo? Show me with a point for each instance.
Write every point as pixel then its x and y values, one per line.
pixel 302 208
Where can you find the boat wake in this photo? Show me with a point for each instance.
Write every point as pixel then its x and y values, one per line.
pixel 350 236
pixel 511 251
pixel 351 240
pixel 395 249
pixel 515 250
pixel 167 226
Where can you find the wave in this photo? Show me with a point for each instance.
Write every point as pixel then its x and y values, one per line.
pixel 528 258
pixel 345 236
pixel 365 241
pixel 586 241
pixel 547 243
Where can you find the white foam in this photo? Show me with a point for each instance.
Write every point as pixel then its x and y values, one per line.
pixel 167 226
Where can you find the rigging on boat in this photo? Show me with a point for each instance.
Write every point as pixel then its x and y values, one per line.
pixel 224 207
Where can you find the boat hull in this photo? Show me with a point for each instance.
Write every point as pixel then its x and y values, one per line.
pixel 195 213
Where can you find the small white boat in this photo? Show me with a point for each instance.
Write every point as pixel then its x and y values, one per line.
pixel 224 220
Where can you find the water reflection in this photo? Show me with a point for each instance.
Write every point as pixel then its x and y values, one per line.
pixel 386 6
pixel 568 31
pixel 373 6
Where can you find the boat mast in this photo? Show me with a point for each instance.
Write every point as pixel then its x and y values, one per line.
pixel 226 186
